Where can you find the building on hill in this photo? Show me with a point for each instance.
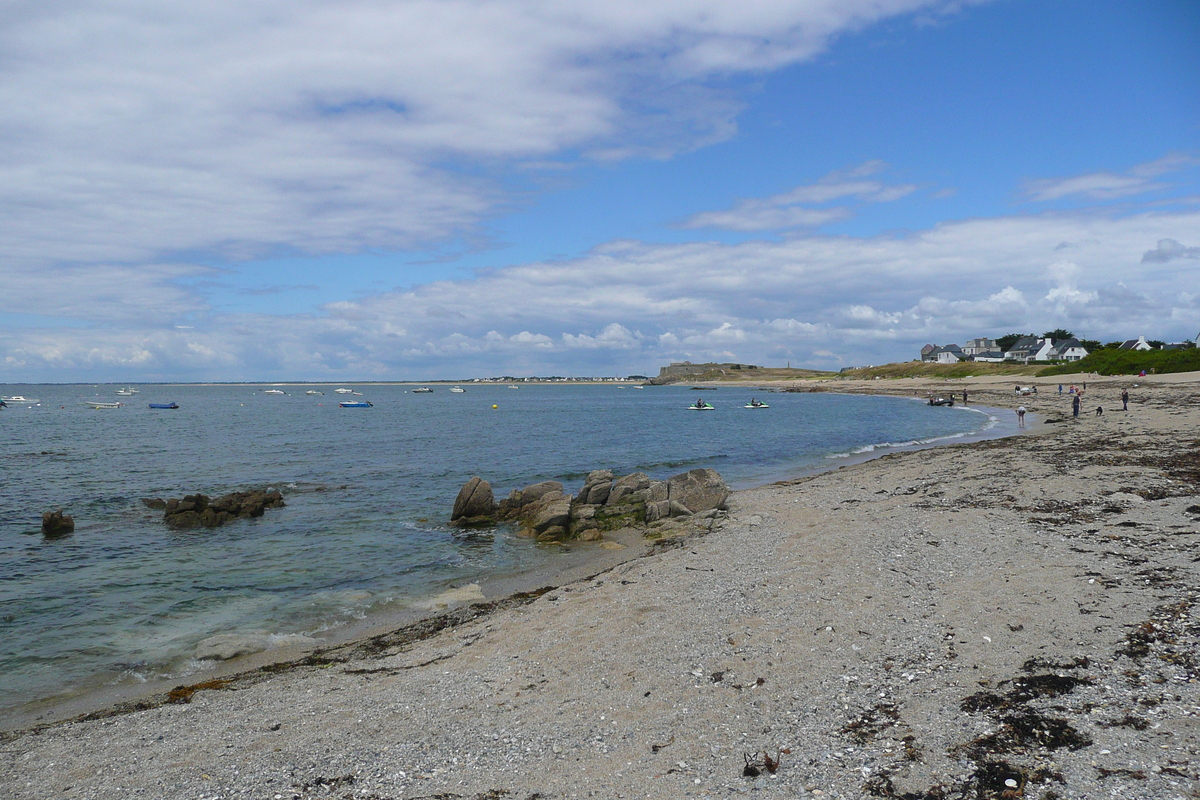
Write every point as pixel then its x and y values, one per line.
pixel 1139 343
pixel 974 347
pixel 680 370
pixel 1023 349
pixel 942 354
pixel 1068 350
pixel 926 352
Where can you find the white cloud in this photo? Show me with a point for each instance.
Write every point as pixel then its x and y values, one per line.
pixel 785 210
pixel 137 130
pixel 1167 250
pixel 630 307
pixel 1109 185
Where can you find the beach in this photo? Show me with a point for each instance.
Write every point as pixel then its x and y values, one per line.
pixel 1005 618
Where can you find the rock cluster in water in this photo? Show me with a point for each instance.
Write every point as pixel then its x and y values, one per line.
pixel 56 523
pixel 201 511
pixel 605 503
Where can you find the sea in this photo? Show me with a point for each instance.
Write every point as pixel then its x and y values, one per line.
pixel 365 531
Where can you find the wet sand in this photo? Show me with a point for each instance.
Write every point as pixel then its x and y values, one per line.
pixel 1013 615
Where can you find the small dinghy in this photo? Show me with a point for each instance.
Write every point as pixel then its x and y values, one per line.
pixel 941 401
pixel 355 404
pixel 101 404
pixel 164 405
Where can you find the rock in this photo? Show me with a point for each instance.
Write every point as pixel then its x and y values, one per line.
pixel 198 510
pixel 596 487
pixel 678 509
pixel 697 490
pixel 627 485
pixel 657 510
pixel 475 504
pixel 556 511
pixel 154 502
pixel 56 523
pixel 515 505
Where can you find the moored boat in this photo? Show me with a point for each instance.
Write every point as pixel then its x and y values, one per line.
pixel 164 405
pixel 457 389
pixel 355 404
pixel 127 391
pixel 344 391
pixel 422 390
pixel 314 391
pixel 17 400
pixel 274 391
pixel 101 404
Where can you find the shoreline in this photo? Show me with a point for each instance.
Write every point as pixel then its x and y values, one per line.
pixel 872 600
pixel 582 559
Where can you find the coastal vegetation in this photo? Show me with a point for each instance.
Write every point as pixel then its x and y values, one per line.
pixel 932 369
pixel 1111 361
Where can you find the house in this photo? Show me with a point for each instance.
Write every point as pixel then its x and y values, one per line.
pixel 946 354
pixel 991 356
pixel 927 352
pixel 1139 343
pixel 1022 349
pixel 1069 350
pixel 976 346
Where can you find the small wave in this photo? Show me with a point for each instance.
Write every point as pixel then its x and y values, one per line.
pixel 871 448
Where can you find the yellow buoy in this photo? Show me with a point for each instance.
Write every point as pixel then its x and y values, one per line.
pixel 495 406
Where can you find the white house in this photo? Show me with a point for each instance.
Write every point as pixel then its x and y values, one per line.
pixel 1139 343
pixel 974 347
pixel 1070 350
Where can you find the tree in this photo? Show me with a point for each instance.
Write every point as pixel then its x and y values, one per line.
pixel 1007 341
pixel 1058 335
pixel 1091 345
pixel 1155 343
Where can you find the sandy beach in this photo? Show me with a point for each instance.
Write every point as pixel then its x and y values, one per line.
pixel 1009 618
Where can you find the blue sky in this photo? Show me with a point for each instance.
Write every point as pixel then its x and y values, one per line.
pixel 413 190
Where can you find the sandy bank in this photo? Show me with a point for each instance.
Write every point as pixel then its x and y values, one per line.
pixel 935 623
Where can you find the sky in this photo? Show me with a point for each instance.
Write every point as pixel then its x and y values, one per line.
pixel 274 190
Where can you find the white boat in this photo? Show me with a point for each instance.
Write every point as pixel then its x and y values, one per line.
pixel 101 404
pixel 18 399
pixel 274 391
pixel 314 391
pixel 457 389
pixel 127 391
pixel 344 391
pixel 422 390
pixel 513 386
pixel 639 386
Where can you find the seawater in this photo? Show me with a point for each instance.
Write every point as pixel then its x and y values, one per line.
pixel 368 493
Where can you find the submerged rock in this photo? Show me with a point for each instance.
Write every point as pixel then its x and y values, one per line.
pixel 56 523
pixel 201 511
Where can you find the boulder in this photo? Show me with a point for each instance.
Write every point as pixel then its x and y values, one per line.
pixel 475 504
pixel 627 485
pixel 697 490
pixel 56 523
pixel 515 505
pixel 156 503
pixel 595 488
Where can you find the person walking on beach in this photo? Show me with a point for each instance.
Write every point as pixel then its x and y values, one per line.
pixel 1020 416
pixel 1075 406
pixel 1124 399
pixel 964 397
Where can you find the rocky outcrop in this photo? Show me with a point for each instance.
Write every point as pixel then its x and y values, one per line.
pixel 201 511
pixel 607 503
pixel 56 523
pixel 475 504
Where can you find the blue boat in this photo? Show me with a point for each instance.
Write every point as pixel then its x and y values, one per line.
pixel 355 404
pixel 164 405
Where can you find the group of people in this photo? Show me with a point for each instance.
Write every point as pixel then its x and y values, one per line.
pixel 1076 403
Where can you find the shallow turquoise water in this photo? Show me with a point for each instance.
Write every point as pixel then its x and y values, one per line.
pixel 368 495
